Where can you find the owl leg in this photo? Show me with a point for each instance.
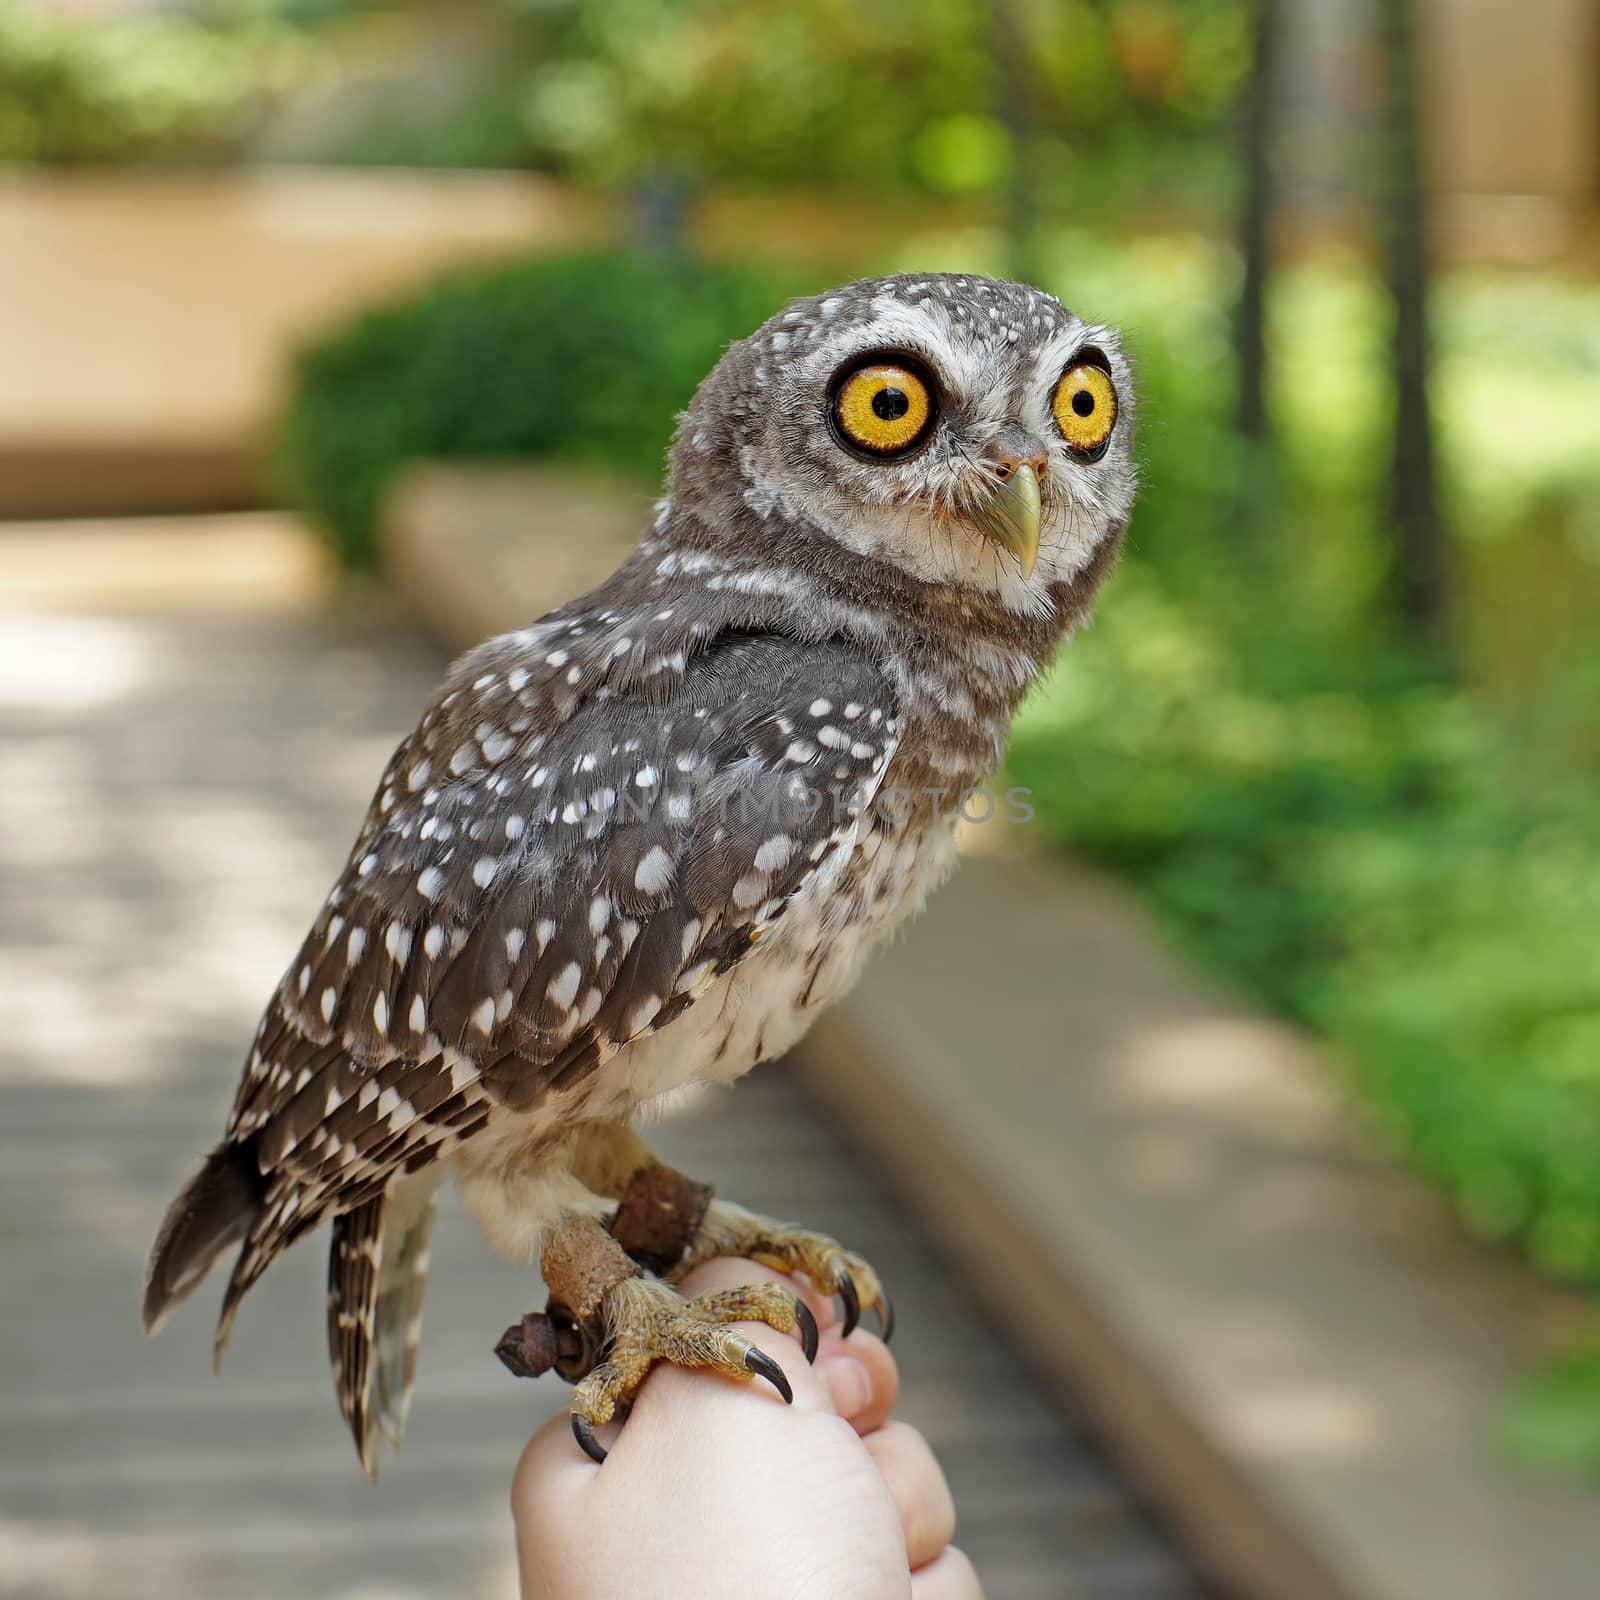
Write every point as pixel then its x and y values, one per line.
pixel 659 1210
pixel 668 1223
pixel 609 1322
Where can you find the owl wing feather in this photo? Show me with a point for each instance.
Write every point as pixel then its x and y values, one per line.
pixel 513 916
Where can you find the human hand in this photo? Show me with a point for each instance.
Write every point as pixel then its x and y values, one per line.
pixel 716 1490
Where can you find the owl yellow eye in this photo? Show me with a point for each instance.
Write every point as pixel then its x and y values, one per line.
pixel 883 408
pixel 1085 405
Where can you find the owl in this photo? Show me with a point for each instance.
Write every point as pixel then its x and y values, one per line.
pixel 642 842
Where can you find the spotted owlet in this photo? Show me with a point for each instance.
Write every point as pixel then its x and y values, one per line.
pixel 642 842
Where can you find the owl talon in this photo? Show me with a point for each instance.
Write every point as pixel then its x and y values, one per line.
pixel 730 1230
pixel 885 1318
pixel 846 1290
pixel 648 1321
pixel 809 1336
pixel 583 1432
pixel 760 1363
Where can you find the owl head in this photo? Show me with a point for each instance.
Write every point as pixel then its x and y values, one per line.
pixel 971 432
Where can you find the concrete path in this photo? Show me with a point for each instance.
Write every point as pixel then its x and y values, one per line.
pixel 176 791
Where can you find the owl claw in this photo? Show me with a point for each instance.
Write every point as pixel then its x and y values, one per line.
pixel 807 1324
pixel 846 1290
pixel 650 1322
pixel 583 1432
pixel 760 1363
pixel 851 1298
pixel 730 1230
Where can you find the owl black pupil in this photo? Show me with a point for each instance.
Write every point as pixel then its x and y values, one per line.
pixel 890 404
pixel 1083 402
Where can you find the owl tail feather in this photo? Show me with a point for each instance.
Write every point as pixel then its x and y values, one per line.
pixel 214 1211
pixel 377 1279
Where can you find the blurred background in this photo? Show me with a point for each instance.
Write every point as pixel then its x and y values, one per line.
pixel 291 287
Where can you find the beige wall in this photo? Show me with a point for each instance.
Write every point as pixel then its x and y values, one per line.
pixel 1513 97
pixel 146 312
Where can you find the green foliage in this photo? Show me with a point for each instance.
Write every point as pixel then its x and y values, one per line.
pixel 77 89
pixel 1551 1419
pixel 1516 381
pixel 587 359
pixel 1518 387
pixel 1127 99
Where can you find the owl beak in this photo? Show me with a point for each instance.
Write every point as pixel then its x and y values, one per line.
pixel 1010 516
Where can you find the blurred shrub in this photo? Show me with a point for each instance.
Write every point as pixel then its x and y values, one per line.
pixel 1119 101
pixel 79 88
pixel 1551 1419
pixel 587 358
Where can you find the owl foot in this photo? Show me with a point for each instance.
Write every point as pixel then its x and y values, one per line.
pixel 730 1230
pixel 647 1321
pixel 608 1323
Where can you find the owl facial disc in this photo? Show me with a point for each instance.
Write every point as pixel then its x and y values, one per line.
pixel 973 434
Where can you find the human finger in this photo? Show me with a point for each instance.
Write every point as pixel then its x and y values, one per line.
pixel 917 1483
pixel 950 1577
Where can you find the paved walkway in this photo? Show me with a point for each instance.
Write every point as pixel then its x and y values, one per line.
pixel 176 791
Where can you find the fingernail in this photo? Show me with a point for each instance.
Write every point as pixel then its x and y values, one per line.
pixel 849 1385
